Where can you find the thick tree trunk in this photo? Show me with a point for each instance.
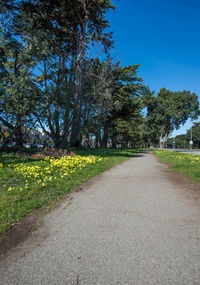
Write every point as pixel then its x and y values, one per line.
pixel 96 140
pixel 160 142
pixel 78 94
pixel 163 140
pixel 56 142
pixel 114 141
pixel 65 135
pixel 64 142
pixel 105 136
pixel 98 136
pixel 56 104
pixel 18 131
pixel 48 109
pixel 76 127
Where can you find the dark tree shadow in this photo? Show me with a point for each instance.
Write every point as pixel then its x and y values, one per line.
pixel 111 152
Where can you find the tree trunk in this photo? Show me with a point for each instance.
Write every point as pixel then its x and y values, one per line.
pixel 56 141
pixel 105 136
pixel 65 135
pixel 48 109
pixel 56 105
pixel 96 140
pixel 64 142
pixel 98 135
pixel 18 131
pixel 160 141
pixel 114 141
pixel 78 94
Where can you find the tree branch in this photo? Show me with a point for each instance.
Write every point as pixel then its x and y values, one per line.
pixel 7 124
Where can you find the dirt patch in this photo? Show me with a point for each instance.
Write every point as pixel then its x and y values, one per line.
pixel 190 189
pixel 18 233
pixel 29 226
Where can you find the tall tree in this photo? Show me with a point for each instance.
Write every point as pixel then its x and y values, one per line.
pixel 90 15
pixel 56 55
pixel 111 93
pixel 69 28
pixel 99 83
pixel 126 98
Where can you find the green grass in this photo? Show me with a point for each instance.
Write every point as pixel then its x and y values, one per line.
pixel 188 164
pixel 15 204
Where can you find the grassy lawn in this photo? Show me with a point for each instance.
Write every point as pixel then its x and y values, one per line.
pixel 27 183
pixel 188 164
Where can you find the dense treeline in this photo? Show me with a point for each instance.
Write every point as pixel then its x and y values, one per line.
pixel 48 79
pixel 167 112
pixel 51 79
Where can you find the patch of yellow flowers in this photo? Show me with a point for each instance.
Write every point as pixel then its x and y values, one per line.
pixel 180 156
pixel 51 169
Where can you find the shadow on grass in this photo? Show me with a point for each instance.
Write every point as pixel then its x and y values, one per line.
pixel 15 158
pixel 110 152
pixel 19 157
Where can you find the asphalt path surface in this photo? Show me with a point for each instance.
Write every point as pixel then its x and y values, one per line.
pixel 137 224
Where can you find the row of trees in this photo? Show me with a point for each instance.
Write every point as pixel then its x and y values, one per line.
pixel 167 112
pixel 56 74
pixel 48 79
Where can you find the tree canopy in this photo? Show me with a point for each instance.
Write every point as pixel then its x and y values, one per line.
pixel 168 111
pixel 50 81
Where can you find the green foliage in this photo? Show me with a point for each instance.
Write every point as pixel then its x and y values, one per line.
pixel 183 141
pixel 195 135
pixel 112 98
pixel 129 132
pixel 168 111
pixel 49 81
pixel 19 93
pixel 68 28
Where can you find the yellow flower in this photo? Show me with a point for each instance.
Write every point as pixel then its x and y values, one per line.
pixel 51 168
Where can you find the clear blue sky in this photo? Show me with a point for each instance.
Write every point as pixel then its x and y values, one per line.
pixel 164 37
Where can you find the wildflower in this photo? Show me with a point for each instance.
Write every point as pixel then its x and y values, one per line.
pixel 51 168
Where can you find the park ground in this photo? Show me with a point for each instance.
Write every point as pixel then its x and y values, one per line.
pixel 29 182
pixel 137 223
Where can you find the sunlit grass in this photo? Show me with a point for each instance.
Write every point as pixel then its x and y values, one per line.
pixel 188 164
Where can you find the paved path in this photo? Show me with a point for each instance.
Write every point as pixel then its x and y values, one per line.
pixel 133 225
